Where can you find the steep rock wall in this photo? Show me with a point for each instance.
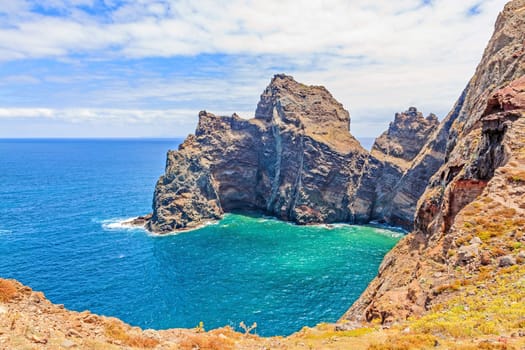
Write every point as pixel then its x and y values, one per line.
pixel 296 160
pixel 471 214
pixel 397 149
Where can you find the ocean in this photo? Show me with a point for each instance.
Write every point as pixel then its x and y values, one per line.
pixel 61 202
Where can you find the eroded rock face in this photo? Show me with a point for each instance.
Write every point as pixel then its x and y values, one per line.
pixel 475 195
pixel 296 160
pixel 405 137
pixel 397 149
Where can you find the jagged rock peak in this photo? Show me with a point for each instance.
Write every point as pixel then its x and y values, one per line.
pixel 475 194
pixel 296 160
pixel 406 135
pixel 313 109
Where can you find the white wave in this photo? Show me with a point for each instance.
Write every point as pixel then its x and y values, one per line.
pixel 333 226
pixel 119 224
pixel 389 232
pixel 5 232
pixel 187 229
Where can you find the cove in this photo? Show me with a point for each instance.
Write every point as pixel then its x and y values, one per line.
pixel 62 200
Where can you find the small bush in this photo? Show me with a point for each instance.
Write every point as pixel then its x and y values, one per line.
pixel 406 342
pixel 115 330
pixel 219 339
pixel 7 290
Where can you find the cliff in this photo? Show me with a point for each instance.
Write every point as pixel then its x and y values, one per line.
pixel 296 160
pixel 469 223
pixel 29 321
pixel 397 149
pixel 455 282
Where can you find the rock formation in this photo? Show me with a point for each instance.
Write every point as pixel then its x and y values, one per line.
pixel 296 160
pixel 405 137
pixel 466 249
pixel 470 220
pixel 397 149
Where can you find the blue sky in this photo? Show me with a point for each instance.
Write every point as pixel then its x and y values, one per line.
pixel 119 68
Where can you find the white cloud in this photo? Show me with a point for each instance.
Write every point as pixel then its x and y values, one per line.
pixel 382 30
pixel 375 57
pixel 98 122
pixel 101 115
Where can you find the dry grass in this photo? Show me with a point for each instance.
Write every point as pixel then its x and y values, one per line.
pixel 324 331
pixel 483 345
pixel 487 225
pixel 219 339
pixel 7 290
pixel 115 330
pixel 406 342
pixel 516 176
pixel 488 307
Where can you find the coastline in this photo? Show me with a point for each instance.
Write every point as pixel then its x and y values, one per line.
pixel 139 222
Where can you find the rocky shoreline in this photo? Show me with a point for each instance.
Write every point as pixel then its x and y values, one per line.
pixel 142 221
pixel 296 160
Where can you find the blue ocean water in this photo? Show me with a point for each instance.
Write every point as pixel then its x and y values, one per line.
pixel 60 204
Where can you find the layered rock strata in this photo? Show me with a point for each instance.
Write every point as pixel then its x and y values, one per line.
pixel 470 220
pixel 296 160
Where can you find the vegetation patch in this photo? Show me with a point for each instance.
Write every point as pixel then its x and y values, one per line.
pixel 487 225
pixel 7 290
pixel 487 307
pixel 407 342
pixel 218 339
pixel 327 332
pixel 114 329
pixel 516 176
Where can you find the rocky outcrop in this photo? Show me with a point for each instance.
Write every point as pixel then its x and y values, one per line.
pixel 405 137
pixel 472 211
pixel 397 149
pixel 296 160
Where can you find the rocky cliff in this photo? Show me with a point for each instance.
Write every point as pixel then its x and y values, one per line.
pixel 461 269
pixel 397 149
pixel 469 224
pixel 295 160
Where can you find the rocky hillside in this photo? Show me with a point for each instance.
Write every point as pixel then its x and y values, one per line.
pixel 470 222
pixel 29 321
pixel 295 160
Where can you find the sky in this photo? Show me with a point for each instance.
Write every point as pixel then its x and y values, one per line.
pixel 145 68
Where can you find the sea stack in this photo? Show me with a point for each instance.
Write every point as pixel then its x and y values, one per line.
pixel 296 160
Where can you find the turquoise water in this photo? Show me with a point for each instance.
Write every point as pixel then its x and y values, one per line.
pixel 60 204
